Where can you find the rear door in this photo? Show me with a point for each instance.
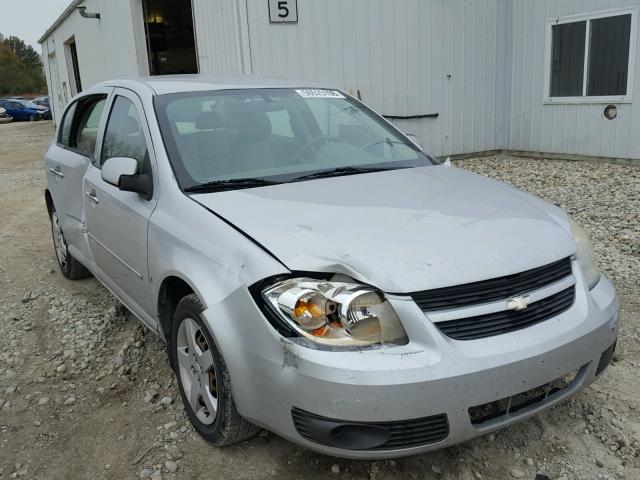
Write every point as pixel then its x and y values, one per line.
pixel 66 163
pixel 117 221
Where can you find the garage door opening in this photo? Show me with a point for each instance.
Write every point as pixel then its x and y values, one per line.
pixel 170 37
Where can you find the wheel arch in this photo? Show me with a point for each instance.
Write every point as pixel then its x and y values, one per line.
pixel 48 199
pixel 173 288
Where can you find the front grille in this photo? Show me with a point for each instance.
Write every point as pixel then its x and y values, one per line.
pixel 505 321
pixel 494 289
pixel 401 434
pixel 505 407
pixel 605 358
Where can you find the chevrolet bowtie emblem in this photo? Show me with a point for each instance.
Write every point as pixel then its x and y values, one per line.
pixel 518 303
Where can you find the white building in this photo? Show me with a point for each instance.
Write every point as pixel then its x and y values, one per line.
pixel 553 76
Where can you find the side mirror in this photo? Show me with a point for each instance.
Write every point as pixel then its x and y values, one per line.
pixel 414 140
pixel 122 172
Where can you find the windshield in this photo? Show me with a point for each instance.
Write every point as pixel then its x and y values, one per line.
pixel 276 135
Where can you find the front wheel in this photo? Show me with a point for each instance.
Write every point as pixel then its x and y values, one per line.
pixel 32 118
pixel 203 378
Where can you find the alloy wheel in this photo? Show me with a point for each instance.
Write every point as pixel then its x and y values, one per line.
pixel 197 371
pixel 58 241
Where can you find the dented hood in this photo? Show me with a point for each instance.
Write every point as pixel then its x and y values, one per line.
pixel 402 230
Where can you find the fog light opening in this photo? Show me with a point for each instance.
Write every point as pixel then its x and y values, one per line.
pixel 358 437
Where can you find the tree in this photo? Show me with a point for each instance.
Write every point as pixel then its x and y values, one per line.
pixel 12 75
pixel 24 52
pixel 20 67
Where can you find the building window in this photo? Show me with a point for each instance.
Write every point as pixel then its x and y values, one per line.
pixel 590 58
pixel 171 45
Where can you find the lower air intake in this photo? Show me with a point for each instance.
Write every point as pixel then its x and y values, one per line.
pixel 370 435
pixel 511 406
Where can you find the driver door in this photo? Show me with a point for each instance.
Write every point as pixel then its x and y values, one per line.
pixel 117 221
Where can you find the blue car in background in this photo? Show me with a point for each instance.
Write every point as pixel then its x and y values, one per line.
pixel 25 110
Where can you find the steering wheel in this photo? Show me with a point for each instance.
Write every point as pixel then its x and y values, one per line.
pixel 314 141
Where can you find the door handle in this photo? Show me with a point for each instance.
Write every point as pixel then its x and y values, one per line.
pixel 57 172
pixel 92 196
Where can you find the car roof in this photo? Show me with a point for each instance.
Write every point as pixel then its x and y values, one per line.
pixel 166 84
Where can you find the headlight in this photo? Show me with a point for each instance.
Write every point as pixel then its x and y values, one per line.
pixel 586 258
pixel 341 314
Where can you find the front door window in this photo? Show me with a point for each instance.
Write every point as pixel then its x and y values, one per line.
pixel 123 136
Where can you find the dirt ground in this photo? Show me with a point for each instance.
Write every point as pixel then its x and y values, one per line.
pixel 86 393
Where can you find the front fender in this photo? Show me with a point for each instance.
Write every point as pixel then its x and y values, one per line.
pixel 189 242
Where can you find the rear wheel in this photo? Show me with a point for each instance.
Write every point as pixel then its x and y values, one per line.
pixel 203 378
pixel 69 266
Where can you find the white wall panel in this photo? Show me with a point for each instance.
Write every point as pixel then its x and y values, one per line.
pixel 106 48
pixel 406 58
pixel 479 64
pixel 219 41
pixel 569 128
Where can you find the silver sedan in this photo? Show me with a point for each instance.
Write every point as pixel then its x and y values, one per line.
pixel 314 272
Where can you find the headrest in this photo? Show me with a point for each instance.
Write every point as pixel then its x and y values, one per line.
pixel 208 121
pixel 253 125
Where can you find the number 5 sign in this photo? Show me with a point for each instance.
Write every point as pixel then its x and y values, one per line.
pixel 283 11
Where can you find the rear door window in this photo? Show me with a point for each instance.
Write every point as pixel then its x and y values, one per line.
pixel 280 123
pixel 86 124
pixel 65 130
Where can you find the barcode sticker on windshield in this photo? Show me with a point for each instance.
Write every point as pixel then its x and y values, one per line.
pixel 319 93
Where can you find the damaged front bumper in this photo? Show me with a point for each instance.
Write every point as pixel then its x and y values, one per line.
pixel 428 394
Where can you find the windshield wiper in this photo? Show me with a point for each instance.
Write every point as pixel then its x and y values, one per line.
pixel 340 171
pixel 232 184
pixel 388 141
pixel 352 110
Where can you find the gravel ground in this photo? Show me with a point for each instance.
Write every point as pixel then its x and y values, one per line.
pixel 85 392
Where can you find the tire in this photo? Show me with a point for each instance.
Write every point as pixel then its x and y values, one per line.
pixel 226 426
pixel 32 118
pixel 69 266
